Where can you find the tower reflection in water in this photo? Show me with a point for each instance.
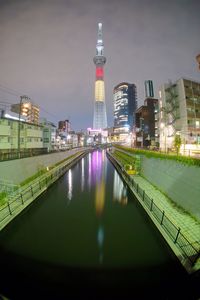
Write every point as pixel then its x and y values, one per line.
pixel 99 167
pixel 97 171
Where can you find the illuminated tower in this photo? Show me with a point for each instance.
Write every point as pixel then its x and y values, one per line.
pixel 100 118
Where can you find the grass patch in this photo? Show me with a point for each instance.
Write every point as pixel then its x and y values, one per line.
pixel 191 161
pixel 124 158
pixel 172 202
pixel 127 161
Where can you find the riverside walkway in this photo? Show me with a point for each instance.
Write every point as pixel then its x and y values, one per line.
pixel 190 227
pixel 24 196
pixel 187 224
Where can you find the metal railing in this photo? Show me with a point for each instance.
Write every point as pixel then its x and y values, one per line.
pixel 33 190
pixel 173 232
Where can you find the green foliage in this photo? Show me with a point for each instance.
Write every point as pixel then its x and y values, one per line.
pixel 3 198
pixel 62 161
pixel 177 143
pixel 153 154
pixel 127 160
pixel 35 176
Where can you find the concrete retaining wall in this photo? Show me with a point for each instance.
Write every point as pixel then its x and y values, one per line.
pixel 15 171
pixel 180 182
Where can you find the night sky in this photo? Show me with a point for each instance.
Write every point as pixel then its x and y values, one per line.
pixel 47 49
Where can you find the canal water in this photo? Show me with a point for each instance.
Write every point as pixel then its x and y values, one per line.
pixel 88 234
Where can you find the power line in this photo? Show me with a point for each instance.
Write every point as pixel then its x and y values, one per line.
pixel 11 90
pixel 7 92
pixel 14 92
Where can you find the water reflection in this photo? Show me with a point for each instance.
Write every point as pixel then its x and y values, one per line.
pixel 89 170
pixel 95 177
pixel 99 169
pixel 82 174
pixel 100 241
pixel 69 177
pixel 119 190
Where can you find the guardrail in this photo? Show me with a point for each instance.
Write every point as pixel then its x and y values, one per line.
pixel 173 232
pixel 33 190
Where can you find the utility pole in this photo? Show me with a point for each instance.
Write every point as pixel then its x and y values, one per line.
pixel 198 60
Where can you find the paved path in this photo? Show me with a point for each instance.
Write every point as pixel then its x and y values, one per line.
pixel 190 228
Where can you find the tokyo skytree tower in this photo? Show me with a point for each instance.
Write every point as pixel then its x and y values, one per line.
pixel 100 118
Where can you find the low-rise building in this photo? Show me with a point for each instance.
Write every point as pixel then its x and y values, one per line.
pixel 20 136
pixel 179 113
pixel 49 135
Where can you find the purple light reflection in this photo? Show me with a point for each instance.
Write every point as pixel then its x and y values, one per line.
pixel 96 165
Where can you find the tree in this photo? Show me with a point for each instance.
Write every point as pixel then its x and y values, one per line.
pixel 177 143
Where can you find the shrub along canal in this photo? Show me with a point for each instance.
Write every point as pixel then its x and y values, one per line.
pixel 87 236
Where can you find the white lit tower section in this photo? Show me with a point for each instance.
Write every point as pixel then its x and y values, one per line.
pixel 100 118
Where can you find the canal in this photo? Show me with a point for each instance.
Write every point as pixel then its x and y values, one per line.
pixel 88 237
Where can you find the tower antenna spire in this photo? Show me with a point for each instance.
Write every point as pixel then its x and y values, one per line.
pixel 100 35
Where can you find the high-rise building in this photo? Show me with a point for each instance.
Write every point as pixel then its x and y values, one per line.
pixel 27 109
pixel 179 113
pixel 125 105
pixel 149 91
pixel 100 118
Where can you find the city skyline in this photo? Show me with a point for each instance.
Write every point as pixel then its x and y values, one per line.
pixel 46 51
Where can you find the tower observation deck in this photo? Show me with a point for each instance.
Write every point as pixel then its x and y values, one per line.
pixel 100 118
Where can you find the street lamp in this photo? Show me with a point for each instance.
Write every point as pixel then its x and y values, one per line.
pixel 20 106
pixel 163 127
pixel 141 128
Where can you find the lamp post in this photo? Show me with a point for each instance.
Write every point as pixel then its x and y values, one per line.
pixel 20 106
pixel 141 128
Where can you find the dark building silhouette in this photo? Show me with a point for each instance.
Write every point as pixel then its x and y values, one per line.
pixel 146 123
pixel 149 91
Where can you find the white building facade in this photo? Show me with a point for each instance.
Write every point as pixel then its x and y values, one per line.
pixel 179 113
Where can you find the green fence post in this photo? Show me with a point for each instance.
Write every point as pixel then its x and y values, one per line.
pixel 162 217
pixel 143 195
pixel 151 205
pixel 22 198
pixel 9 208
pixel 32 191
pixel 177 235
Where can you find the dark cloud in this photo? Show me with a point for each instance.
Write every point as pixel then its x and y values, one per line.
pixel 47 49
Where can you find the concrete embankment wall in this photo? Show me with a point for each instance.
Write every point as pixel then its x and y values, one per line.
pixel 15 171
pixel 180 182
